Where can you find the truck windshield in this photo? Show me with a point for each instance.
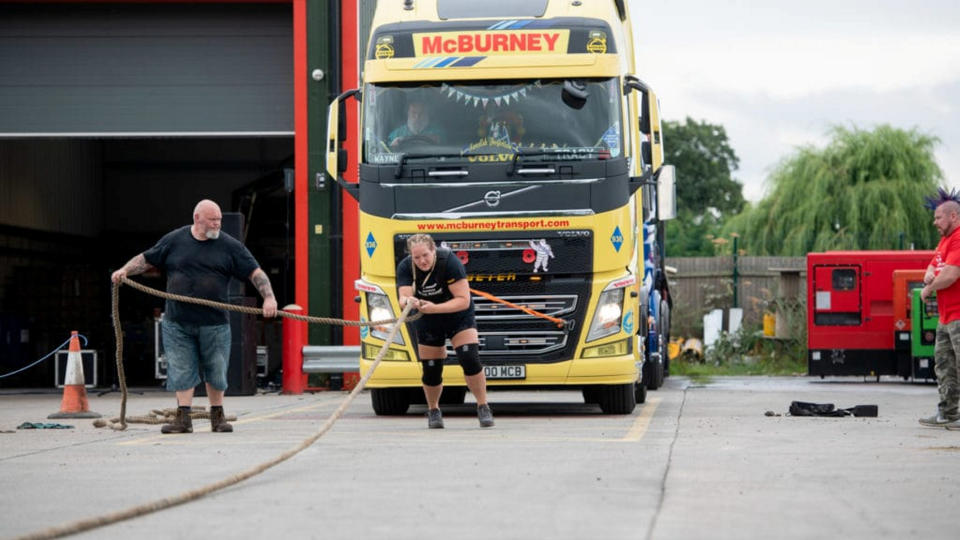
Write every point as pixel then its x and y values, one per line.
pixel 557 119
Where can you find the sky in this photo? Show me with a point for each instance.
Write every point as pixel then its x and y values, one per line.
pixel 778 74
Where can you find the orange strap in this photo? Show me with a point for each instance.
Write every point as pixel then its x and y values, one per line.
pixel 525 309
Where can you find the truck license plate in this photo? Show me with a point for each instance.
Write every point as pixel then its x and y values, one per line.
pixel 505 372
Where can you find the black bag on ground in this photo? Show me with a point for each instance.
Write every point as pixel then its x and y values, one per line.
pixel 864 411
pixel 804 408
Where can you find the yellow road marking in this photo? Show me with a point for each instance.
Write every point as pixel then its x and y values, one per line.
pixel 642 422
pixel 636 432
pixel 256 418
pixel 457 433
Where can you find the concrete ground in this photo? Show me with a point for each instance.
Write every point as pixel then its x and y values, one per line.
pixel 695 461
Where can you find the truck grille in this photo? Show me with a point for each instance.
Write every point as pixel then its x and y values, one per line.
pixel 507 330
pixel 552 305
pixel 498 343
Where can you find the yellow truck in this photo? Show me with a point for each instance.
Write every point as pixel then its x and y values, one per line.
pixel 519 136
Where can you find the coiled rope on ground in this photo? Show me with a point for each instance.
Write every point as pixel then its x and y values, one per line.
pixel 187 496
pixel 157 416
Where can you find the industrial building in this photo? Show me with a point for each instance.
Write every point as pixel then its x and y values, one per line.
pixel 117 117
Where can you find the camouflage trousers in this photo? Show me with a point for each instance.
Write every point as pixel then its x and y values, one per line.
pixel 946 366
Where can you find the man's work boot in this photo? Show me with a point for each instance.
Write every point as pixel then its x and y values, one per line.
pixel 182 423
pixel 218 424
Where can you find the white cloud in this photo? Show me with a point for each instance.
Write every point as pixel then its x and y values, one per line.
pixel 788 68
pixel 777 74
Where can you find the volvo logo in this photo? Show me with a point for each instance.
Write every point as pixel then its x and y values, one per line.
pixel 492 198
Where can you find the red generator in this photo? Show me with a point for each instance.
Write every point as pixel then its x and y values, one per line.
pixel 850 311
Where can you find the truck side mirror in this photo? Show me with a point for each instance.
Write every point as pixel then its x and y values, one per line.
pixel 631 83
pixel 342 122
pixel 645 114
pixel 666 193
pixel 337 156
pixel 648 193
pixel 333 141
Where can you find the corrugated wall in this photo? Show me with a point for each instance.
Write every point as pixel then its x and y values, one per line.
pixel 174 68
pixel 51 185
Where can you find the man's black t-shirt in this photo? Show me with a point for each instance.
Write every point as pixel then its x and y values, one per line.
pixel 201 269
pixel 434 285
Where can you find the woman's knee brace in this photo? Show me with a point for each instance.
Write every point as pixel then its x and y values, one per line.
pixel 469 357
pixel 432 372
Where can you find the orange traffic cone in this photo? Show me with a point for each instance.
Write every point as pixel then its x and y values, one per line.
pixel 74 404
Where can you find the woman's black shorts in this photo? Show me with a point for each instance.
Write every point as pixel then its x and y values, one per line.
pixel 434 330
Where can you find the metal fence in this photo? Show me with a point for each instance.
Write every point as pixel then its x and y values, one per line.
pixel 702 284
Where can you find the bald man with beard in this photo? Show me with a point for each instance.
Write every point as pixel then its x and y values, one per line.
pixel 941 277
pixel 199 261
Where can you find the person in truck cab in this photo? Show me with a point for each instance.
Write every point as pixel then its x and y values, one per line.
pixel 417 128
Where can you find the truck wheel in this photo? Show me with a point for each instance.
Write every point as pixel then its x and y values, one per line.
pixel 640 392
pixel 390 401
pixel 591 395
pixel 652 374
pixel 617 398
pixel 415 396
pixel 453 395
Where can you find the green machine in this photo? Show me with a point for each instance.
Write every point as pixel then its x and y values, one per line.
pixel 923 323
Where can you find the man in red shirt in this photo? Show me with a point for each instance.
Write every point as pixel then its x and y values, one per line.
pixel 942 276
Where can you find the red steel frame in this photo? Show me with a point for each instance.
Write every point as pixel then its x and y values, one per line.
pixel 301 279
pixel 350 79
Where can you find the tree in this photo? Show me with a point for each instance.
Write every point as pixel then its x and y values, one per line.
pixel 704 160
pixel 864 190
pixel 707 193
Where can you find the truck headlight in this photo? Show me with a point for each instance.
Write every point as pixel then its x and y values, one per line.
pixel 379 309
pixel 606 320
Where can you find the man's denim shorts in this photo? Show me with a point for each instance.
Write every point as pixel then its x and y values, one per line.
pixel 192 350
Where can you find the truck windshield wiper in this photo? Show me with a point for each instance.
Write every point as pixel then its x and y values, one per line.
pixel 551 152
pixel 403 157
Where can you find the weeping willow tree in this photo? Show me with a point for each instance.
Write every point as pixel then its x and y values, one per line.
pixel 864 190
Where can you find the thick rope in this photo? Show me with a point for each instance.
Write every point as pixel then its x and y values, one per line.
pixel 187 496
pixel 191 495
pixel 257 311
pixel 118 331
pixel 525 309
pixel 118 338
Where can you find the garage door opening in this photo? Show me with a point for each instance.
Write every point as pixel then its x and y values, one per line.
pixel 115 119
pixel 74 210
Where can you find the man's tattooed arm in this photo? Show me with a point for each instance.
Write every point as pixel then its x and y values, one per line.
pixel 262 283
pixel 134 266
